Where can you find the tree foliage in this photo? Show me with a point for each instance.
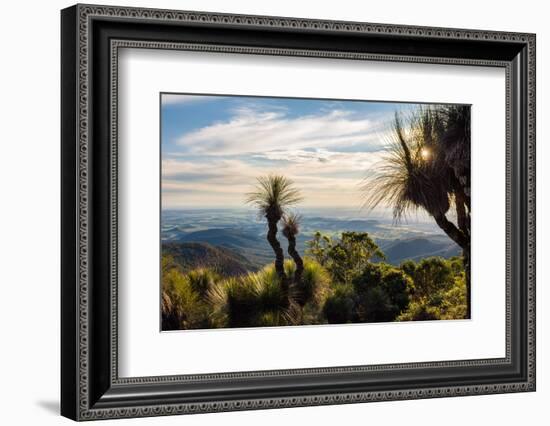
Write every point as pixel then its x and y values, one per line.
pixel 383 292
pixel 339 307
pixel 439 290
pixel 346 256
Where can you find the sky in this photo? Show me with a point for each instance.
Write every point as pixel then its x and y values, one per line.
pixel 214 147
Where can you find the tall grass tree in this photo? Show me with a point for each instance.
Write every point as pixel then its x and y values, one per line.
pixel 427 166
pixel 272 195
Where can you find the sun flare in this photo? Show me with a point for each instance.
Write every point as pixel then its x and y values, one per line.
pixel 425 153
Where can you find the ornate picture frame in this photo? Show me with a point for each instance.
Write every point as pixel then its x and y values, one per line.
pixel 91 37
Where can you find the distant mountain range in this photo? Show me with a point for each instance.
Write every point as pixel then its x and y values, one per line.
pixel 234 251
pixel 235 240
pixel 418 248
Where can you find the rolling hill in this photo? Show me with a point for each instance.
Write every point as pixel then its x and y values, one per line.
pixel 199 254
pixel 418 248
pixel 252 247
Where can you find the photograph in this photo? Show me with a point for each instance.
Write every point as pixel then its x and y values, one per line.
pixel 306 212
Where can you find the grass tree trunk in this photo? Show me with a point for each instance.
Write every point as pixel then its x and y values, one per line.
pixel 463 220
pixel 452 231
pixel 279 254
pixel 299 267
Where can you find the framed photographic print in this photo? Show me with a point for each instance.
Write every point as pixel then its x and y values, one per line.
pixel 263 212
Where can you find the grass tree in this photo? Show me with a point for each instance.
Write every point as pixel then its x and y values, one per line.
pixel 427 167
pixel 272 195
pixel 291 228
pixel 455 140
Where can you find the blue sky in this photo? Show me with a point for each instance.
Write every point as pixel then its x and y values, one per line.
pixel 213 147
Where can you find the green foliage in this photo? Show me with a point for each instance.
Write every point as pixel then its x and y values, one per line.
pixel 455 304
pixel 431 276
pixel 383 292
pixel 257 298
pixel 409 267
pixel 345 257
pixel 182 306
pixel 339 306
pixel 456 264
pixel 202 280
pixel 167 263
pixel 439 290
pixel 314 285
pixel 235 302
pixel 432 289
pixel 318 248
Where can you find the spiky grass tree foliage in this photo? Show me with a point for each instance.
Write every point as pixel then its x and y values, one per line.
pixel 172 317
pixel 202 280
pixel 181 305
pixel 272 195
pixel 257 299
pixel 314 283
pixel 234 302
pixel 427 166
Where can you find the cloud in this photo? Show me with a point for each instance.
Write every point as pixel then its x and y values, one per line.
pixel 296 156
pixel 326 178
pixel 251 130
pixel 324 161
pixel 327 154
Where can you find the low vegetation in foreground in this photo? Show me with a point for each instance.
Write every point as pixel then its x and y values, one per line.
pixel 343 280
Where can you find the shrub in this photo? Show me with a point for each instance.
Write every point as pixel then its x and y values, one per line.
pixel 383 292
pixel 440 290
pixel 455 303
pixel 181 304
pixel 251 300
pixel 430 276
pixel 234 303
pixel 339 306
pixel 418 311
pixel 202 280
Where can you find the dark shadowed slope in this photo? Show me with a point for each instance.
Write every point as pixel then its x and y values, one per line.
pixel 252 247
pixel 203 255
